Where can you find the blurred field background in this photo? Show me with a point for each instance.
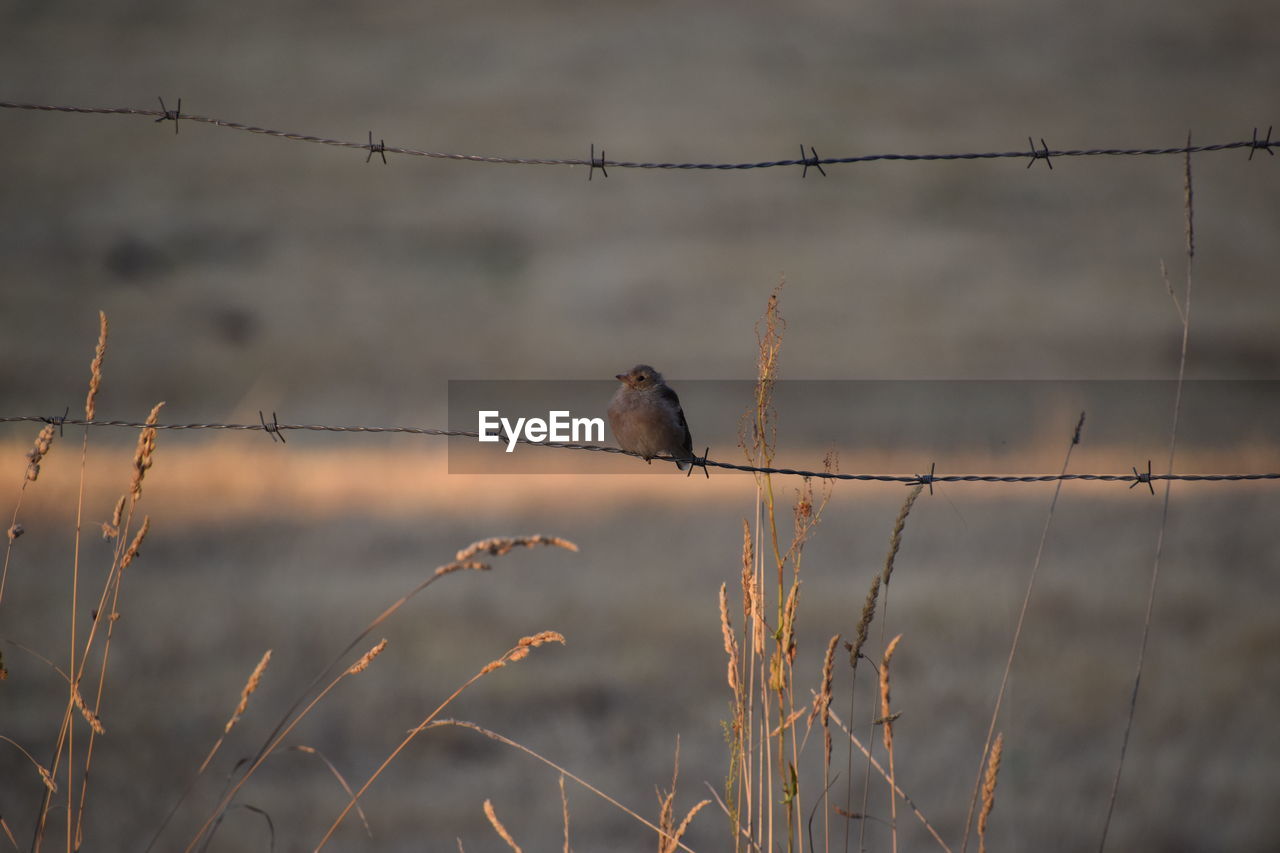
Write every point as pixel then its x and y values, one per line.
pixel 244 273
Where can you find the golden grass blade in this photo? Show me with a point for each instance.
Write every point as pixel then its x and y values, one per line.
pixel 255 679
pixel 1017 631
pixel 279 735
pixel 730 642
pixel 895 539
pixel 146 448
pixel 989 790
pixel 95 369
pixel 499 828
pixel 886 713
pixel 564 806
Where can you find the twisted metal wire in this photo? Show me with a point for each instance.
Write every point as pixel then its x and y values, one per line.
pixel 1032 155
pixel 275 429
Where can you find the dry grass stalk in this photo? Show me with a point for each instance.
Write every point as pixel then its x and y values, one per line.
pixel 311 750
pixel 788 722
pixel 500 545
pixel 517 652
pixel 895 543
pixel 738 730
pixel 895 540
pixel 255 678
pixel 669 834
pixel 132 551
pixel 672 842
pixel 44 440
pixel 1189 211
pixel 785 653
pixel 886 713
pixel 822 701
pixel 111 529
pixel 498 827
pixel 730 642
pixel 753 592
pixel 564 807
pixel 1189 208
pixel 492 735
pixel 298 711
pixel 95 369
pixel 887 718
pixel 366 659
pixel 748 575
pixel 666 807
pixel 467 565
pixel 1017 632
pixel 521 650
pixel 89 716
pixel 864 623
pixel 789 621
pixel 45 776
pixel 873 763
pixel 989 790
pixel 142 455
pixel 757 433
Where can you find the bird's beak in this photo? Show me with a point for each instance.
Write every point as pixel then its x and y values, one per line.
pixel 621 377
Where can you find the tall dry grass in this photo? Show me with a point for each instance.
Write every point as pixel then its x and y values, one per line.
pixel 67 775
pixel 771 714
pixel 775 701
pixel 770 718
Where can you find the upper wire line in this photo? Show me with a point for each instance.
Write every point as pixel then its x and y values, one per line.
pixel 1253 144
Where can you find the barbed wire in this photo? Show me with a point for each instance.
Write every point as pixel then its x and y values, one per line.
pixel 807 161
pixel 276 430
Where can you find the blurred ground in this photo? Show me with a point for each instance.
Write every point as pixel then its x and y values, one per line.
pixel 244 273
pixel 643 662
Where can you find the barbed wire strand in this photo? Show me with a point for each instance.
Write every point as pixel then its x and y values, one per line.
pixel 274 429
pixel 1253 145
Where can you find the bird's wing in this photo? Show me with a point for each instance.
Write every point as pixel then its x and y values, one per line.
pixel 670 397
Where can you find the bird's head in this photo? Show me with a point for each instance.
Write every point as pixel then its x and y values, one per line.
pixel 642 377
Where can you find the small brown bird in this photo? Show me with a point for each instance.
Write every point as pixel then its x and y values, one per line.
pixel 646 417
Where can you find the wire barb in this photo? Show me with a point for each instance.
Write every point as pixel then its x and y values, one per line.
pixel 1042 154
pixel 808 161
pixel 272 429
pixel 1139 477
pixel 380 148
pixel 699 462
pixel 925 479
pixel 170 115
pixel 57 420
pixel 1262 144
pixel 597 164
